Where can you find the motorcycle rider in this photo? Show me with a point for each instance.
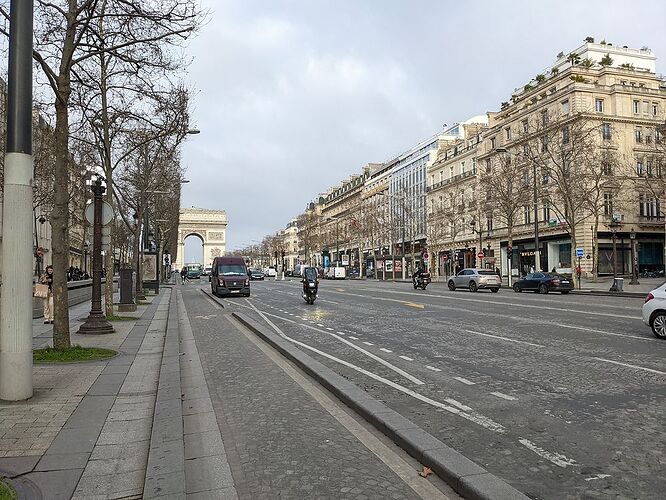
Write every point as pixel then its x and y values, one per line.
pixel 310 276
pixel 416 277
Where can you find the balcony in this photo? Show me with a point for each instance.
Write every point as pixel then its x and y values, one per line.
pixel 651 219
pixel 452 180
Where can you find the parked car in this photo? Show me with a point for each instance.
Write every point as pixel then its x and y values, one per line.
pixel 475 279
pixel 206 271
pixel 544 283
pixel 270 272
pixel 256 274
pixel 229 276
pixel 654 311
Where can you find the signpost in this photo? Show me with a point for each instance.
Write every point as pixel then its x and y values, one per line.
pixel 509 258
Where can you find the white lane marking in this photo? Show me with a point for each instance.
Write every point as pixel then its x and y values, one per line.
pixel 598 476
pixel 504 396
pixel 368 343
pixel 385 350
pixel 630 366
pixel 329 329
pixel 554 457
pixel 505 338
pixel 353 338
pixel 498 302
pixel 464 381
pixel 433 368
pixel 330 301
pixel 319 324
pixel 592 330
pixel 406 358
pixel 291 314
pixel 340 333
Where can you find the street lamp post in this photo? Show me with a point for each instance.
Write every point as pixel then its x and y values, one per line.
pixel 613 227
pixel 472 224
pixel 96 323
pixel 634 259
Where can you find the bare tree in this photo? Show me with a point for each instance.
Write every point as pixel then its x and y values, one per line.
pixel 559 150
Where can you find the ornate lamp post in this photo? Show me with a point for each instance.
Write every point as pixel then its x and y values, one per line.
pixel 96 322
pixel 634 259
pixel 613 227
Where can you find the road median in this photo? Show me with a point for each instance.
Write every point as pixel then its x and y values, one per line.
pixel 466 477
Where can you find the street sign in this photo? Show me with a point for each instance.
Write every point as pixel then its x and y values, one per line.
pixel 425 256
pixel 480 255
pixel 445 257
pixel 107 213
pixel 580 252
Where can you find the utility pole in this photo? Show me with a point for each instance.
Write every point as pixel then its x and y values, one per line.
pixel 16 301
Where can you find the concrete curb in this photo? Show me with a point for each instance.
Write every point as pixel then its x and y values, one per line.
pixel 464 476
pixel 602 293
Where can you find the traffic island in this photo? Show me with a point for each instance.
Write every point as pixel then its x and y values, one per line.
pixel 75 354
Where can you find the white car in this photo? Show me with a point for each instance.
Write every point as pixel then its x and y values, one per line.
pixel 654 311
pixel 271 272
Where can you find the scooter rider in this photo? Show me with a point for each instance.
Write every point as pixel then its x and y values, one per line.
pixel 417 274
pixel 310 276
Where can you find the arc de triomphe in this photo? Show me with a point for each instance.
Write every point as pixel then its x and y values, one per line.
pixel 210 226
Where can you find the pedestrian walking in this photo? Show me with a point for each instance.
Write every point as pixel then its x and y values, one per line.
pixel 183 276
pixel 47 279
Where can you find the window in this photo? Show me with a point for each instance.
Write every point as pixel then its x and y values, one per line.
pixel 526 178
pixel 639 134
pixel 599 105
pixel 657 136
pixel 451 172
pixel 507 133
pixel 546 212
pixel 527 214
pixel 565 134
pixel 544 143
pixel 655 109
pixel 441 175
pixel 525 126
pixel 648 168
pixel 649 206
pixel 526 149
pixel 606 131
pixel 639 167
pixel 606 168
pixel 489 223
pixel 608 203
pixel 492 143
pixel 648 136
pixel 565 106
pixel 544 117
pixel 488 166
pixel 646 107
pixel 432 180
pixel 637 107
pixel 462 167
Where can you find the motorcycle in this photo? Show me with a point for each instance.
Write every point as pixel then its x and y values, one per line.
pixel 310 289
pixel 421 281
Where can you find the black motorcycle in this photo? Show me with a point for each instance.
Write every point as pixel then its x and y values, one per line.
pixel 310 285
pixel 421 281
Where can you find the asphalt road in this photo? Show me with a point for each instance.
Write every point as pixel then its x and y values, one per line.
pixel 561 396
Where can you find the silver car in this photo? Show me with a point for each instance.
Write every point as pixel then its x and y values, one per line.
pixel 474 279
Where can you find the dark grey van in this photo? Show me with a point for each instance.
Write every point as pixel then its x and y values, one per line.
pixel 229 277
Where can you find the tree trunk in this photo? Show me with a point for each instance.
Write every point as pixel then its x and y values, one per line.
pixel 60 222
pixel 595 250
pixel 574 262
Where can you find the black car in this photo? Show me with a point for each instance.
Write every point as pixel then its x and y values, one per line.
pixel 256 274
pixel 544 283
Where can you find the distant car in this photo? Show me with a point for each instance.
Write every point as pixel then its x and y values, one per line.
pixel 654 311
pixel 270 272
pixel 206 271
pixel 256 274
pixel 475 279
pixel 544 283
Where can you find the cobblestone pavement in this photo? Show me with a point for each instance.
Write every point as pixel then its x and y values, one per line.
pixel 280 442
pixel 563 397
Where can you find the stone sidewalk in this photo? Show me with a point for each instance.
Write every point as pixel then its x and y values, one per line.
pixel 135 426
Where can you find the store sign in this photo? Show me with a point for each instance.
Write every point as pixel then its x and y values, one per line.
pixel 389 266
pixel 398 266
pixel 345 260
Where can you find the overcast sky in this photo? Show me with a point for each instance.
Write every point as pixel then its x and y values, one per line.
pixel 292 97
